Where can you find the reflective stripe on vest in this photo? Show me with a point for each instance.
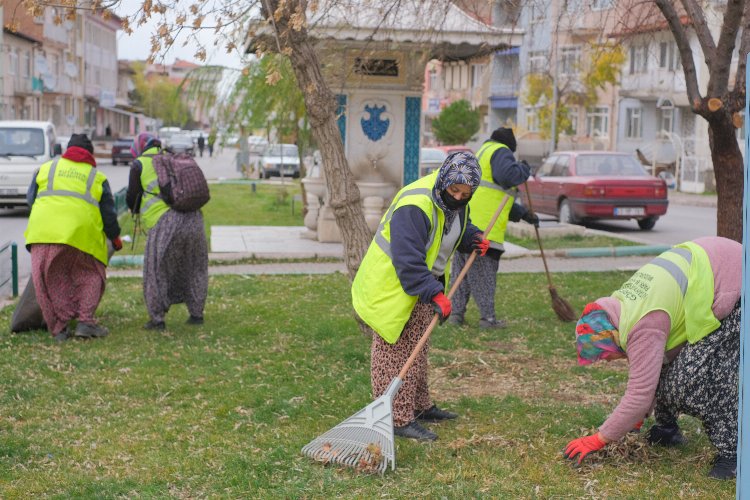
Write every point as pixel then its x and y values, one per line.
pixel 66 210
pixel 377 294
pixel 668 283
pixel 489 196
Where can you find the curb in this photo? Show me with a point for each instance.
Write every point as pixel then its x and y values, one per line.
pixel 612 251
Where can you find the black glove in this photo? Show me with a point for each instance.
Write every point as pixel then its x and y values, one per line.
pixel 531 218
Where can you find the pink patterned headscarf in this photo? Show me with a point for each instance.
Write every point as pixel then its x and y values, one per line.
pixel 143 142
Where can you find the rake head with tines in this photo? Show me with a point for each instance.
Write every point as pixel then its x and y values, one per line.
pixel 364 441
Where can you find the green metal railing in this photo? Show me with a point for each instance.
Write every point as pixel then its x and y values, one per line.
pixel 9 273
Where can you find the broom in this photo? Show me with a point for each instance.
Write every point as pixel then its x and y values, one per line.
pixel 561 307
pixel 365 440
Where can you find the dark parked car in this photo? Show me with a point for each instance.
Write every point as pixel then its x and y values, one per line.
pixel 121 151
pixel 580 186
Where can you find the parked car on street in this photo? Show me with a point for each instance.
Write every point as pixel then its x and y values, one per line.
pixel 580 186
pixel 279 160
pixel 24 146
pixel 256 144
pixel 430 159
pixel 121 151
pixel 181 143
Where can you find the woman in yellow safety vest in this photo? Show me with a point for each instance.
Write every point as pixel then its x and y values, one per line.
pixel 72 216
pixel 677 321
pixel 175 262
pixel 403 277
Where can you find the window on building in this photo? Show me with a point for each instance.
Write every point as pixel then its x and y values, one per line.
pixel 13 61
pixel 573 117
pixel 538 12
pixel 477 72
pixel 667 120
pixel 569 60
pixel 573 6
pixel 597 121
pixel 25 64
pixel 537 61
pixel 669 56
pixel 633 123
pixel 602 4
pixel 433 79
pixel 532 119
pixel 638 59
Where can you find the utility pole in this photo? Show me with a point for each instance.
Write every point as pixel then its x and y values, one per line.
pixel 2 68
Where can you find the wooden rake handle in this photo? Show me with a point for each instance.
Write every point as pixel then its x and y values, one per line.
pixel 451 292
pixel 538 239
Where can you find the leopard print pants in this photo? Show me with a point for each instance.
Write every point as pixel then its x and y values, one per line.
pixel 702 381
pixel 388 359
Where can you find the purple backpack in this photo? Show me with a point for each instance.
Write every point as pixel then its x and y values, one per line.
pixel 182 184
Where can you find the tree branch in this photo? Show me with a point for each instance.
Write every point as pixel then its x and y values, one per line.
pixel 722 59
pixel 739 77
pixel 695 13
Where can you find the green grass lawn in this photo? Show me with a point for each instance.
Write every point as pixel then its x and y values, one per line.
pixel 222 410
pixel 570 241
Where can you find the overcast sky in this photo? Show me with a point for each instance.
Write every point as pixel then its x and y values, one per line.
pixel 137 45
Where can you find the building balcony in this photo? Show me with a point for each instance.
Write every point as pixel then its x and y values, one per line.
pixel 504 89
pixel 659 81
pixel 22 85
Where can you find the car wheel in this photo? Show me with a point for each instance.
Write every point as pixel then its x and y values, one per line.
pixel 648 223
pixel 114 162
pixel 565 214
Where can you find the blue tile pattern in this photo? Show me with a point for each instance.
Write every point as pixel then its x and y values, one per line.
pixel 374 126
pixel 411 139
pixel 341 113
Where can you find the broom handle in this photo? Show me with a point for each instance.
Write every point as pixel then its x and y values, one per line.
pixel 538 239
pixel 451 292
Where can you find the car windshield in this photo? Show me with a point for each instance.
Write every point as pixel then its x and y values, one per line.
pixel 433 155
pixel 608 165
pixel 286 150
pixel 21 141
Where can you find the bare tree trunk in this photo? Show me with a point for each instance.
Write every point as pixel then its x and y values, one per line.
pixel 728 169
pixel 344 197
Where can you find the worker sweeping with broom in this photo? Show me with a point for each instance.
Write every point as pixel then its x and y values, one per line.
pixel 677 321
pixel 402 281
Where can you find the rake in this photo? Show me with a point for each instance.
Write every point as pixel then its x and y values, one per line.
pixel 365 440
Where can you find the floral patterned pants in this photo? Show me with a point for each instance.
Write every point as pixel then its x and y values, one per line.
pixel 388 359
pixel 702 382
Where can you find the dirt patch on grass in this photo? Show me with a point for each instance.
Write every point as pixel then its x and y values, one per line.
pixel 508 368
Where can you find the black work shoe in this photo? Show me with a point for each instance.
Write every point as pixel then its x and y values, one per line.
pixel 62 336
pixel 155 325
pixel 195 320
pixel 413 430
pixel 492 323
pixel 90 330
pixel 724 468
pixel 665 435
pixel 435 414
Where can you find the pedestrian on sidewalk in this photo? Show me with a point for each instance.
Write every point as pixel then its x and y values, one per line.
pixel 175 264
pixel 501 173
pixel 211 142
pixel 72 216
pixel 201 144
pixel 677 321
pixel 401 282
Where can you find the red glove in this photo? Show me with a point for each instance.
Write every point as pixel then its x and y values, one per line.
pixel 637 427
pixel 442 306
pixel 117 243
pixel 480 245
pixel 584 446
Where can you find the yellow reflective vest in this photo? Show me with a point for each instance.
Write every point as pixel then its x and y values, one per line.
pixel 377 294
pixel 679 282
pixel 152 206
pixel 66 209
pixel 489 196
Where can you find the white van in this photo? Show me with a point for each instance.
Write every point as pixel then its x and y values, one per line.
pixel 24 146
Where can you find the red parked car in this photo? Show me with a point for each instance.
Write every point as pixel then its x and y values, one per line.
pixel 579 186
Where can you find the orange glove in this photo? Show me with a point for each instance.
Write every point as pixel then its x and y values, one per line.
pixel 583 446
pixel 117 243
pixel 480 245
pixel 442 306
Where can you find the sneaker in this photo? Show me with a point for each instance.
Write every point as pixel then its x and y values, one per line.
pixel 435 414
pixel 455 319
pixel 413 430
pixel 724 468
pixel 665 435
pixel 492 323
pixel 195 320
pixel 155 325
pixel 62 336
pixel 90 330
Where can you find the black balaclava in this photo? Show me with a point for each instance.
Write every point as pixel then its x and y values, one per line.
pixel 505 136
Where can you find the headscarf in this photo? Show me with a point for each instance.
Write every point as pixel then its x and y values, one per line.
pixel 596 336
pixel 143 142
pixel 505 135
pixel 458 168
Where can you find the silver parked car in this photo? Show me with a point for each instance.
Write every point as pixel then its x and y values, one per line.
pixel 281 160
pixel 181 143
